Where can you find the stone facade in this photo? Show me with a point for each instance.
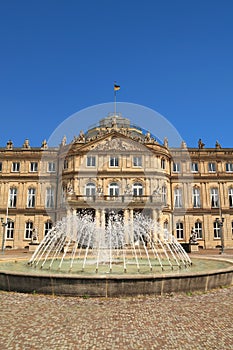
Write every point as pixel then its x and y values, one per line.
pixel 117 167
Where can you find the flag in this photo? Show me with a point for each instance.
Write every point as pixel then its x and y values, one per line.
pixel 116 87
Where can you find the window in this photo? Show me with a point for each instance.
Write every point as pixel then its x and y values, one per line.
pixel 47 227
pixel 232 227
pixel 114 161
pixel 198 229
pixel 178 198
pixel 49 200
pixel 15 167
pixel 176 167
pixel 229 167
pixel 28 229
pixel 196 197
pixel 137 161
pixel 179 230
pixel 194 167
pixel 214 198
pixel 66 164
pixel 31 198
pixel 164 195
pixel 33 167
pixel 137 189
pixel 114 189
pixel 51 167
pixel 12 197
pixel 90 189
pixel 230 195
pixel 91 161
pixel 10 230
pixel 163 163
pixel 212 167
pixel 216 230
pixel 0 166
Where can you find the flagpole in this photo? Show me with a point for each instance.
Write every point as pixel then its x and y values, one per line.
pixel 114 102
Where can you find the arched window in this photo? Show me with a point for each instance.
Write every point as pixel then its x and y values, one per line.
pixel 49 199
pixel 163 163
pixel 179 230
pixel 90 189
pixel 178 198
pixel 217 230
pixel 137 189
pixel 10 229
pixel 114 189
pixel 31 198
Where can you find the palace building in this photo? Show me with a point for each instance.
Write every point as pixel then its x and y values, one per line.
pixel 117 167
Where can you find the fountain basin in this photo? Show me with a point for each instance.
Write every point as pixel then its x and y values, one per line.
pixel 214 273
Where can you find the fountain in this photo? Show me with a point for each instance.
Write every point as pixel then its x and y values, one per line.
pixel 77 244
pixel 78 257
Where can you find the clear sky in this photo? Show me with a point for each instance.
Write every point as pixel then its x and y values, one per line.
pixel 60 56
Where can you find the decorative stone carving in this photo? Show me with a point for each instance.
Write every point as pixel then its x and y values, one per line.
pixel 26 144
pixel 200 144
pixel 217 145
pixel 165 142
pixel 116 145
pixel 44 144
pixel 63 141
pixel 9 145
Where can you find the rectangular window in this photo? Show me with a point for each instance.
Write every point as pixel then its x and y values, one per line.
pixel 15 167
pixel 178 198
pixel 230 194
pixel 0 166
pixel 217 230
pixel 47 227
pixel 31 199
pixel 51 167
pixel 91 161
pixel 28 229
pixel 196 198
pixel 179 230
pixel 12 198
pixel 163 163
pixel 33 167
pixel 164 195
pixel 10 230
pixel 114 161
pixel 212 167
pixel 198 229
pixel 229 167
pixel 49 200
pixel 137 161
pixel 176 167
pixel 194 167
pixel 214 198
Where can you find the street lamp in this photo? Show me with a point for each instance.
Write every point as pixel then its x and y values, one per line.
pixel 220 223
pixel 4 224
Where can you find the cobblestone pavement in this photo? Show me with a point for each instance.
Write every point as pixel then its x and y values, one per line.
pixel 179 321
pixel 197 321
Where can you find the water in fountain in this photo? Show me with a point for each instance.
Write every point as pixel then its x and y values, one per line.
pixel 78 244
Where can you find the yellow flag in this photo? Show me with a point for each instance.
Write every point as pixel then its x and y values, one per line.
pixel 116 87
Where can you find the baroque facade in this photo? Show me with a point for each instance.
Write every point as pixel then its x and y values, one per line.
pixel 117 167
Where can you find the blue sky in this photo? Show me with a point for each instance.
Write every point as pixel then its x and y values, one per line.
pixel 61 56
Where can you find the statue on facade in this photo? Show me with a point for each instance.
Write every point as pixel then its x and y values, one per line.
pixel 147 137
pixel 165 142
pixel 81 137
pixel 26 144
pixel 9 145
pixel 63 141
pixel 200 144
pixel 70 187
pixel 127 190
pixel 44 144
pixel 217 145
pixel 193 237
pixel 34 238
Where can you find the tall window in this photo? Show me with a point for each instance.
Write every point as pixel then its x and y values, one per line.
pixel 164 195
pixel 230 196
pixel 65 164
pixel 12 197
pixel 229 167
pixel 137 161
pixel 212 167
pixel 216 230
pixel 176 167
pixel 15 166
pixel 49 200
pixel 31 198
pixel 28 229
pixel 196 197
pixel 51 167
pixel 194 167
pixel 33 167
pixel 163 163
pixel 47 227
pixel 90 189
pixel 91 161
pixel 214 197
pixel 178 198
pixel 114 161
pixel 198 229
pixel 114 189
pixel 10 230
pixel 137 189
pixel 179 230
pixel 0 166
